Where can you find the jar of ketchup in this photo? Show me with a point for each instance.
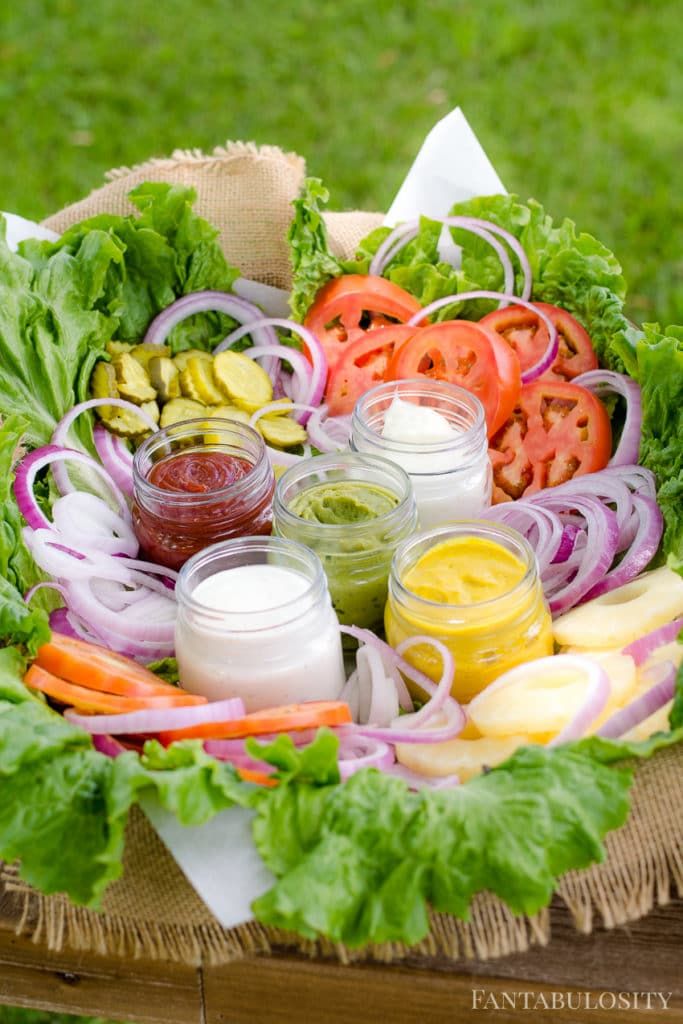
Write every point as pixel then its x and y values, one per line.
pixel 199 482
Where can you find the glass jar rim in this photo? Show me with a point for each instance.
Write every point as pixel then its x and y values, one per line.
pixel 414 386
pixel 342 460
pixel 498 533
pixel 243 436
pixel 293 608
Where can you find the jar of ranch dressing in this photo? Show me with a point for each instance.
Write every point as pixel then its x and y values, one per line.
pixel 255 621
pixel 436 432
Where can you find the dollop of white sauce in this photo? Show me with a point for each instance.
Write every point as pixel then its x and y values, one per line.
pixel 250 588
pixel 417 424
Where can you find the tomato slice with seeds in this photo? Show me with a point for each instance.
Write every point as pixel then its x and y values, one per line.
pixel 363 364
pixel 509 379
pixel 346 308
pixel 290 717
pixel 98 668
pixel 558 430
pixel 457 351
pixel 527 334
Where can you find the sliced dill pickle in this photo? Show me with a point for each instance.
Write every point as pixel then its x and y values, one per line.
pixel 165 378
pixel 230 412
pixel 133 380
pixel 125 423
pixel 242 380
pixel 196 381
pixel 103 385
pixel 145 353
pixel 181 358
pixel 117 348
pixel 179 409
pixel 281 431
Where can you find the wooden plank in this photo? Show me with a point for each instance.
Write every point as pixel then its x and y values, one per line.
pixel 279 991
pixel 80 982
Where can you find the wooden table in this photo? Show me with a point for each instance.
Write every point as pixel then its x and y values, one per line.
pixel 645 957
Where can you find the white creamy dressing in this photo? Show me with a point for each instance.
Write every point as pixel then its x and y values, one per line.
pixel 251 632
pixel 448 483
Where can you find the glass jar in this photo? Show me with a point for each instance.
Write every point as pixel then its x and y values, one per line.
pixel 255 621
pixel 486 637
pixel 355 548
pixel 198 482
pixel 451 478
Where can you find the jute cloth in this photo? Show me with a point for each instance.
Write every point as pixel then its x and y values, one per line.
pixel 152 911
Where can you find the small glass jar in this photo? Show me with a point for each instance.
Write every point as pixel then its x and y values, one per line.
pixel 355 552
pixel 268 633
pixel 486 637
pixel 198 482
pixel 451 478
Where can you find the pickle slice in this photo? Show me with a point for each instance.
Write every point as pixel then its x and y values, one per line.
pixel 103 385
pixel 125 423
pixel 282 431
pixel 165 378
pixel 196 381
pixel 145 353
pixel 179 409
pixel 117 348
pixel 181 359
pixel 133 380
pixel 242 380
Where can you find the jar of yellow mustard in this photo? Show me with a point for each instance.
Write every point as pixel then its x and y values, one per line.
pixel 473 585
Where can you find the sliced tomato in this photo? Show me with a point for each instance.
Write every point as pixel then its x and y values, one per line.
pixel 557 431
pixel 458 351
pixel 527 334
pixel 509 379
pixel 98 668
pixel 290 717
pixel 363 364
pixel 347 307
pixel 93 701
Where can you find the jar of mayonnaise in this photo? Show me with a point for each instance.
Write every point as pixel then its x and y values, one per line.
pixel 255 621
pixel 436 432
pixel 474 586
pixel 353 511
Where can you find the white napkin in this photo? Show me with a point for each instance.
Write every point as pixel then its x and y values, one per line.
pixel 450 167
pixel 18 228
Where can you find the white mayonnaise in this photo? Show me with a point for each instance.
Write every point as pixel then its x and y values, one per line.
pixel 436 432
pixel 257 630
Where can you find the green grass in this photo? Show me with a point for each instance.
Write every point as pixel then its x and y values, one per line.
pixel 577 103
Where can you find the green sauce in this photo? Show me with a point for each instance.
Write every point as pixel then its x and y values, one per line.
pixel 356 561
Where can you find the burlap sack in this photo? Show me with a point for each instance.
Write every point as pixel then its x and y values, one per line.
pixel 152 911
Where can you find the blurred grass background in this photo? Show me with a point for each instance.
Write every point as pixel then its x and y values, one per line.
pixel 577 103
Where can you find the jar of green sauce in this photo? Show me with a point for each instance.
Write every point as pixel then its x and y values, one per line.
pixel 353 511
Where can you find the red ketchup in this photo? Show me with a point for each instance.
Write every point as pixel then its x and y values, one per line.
pixel 195 485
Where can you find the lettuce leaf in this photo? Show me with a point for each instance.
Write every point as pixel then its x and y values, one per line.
pixel 136 266
pixel 313 263
pixel 659 370
pixel 361 862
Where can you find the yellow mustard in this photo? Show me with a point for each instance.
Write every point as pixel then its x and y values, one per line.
pixel 473 585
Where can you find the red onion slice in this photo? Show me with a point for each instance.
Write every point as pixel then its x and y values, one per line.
pixel 637 478
pixel 640 553
pixel 210 302
pixel 548 356
pixel 602 381
pixel 31 465
pixel 83 518
pixel 159 720
pixel 485 229
pixel 641 649
pixel 663 690
pixel 377 697
pixel 329 433
pixel 115 457
pixel 108 745
pixel 357 752
pixel 540 526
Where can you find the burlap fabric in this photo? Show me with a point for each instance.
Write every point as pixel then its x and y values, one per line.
pixel 152 911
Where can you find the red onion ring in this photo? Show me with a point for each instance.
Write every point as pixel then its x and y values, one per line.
pixel 322 431
pixel 357 752
pixel 83 518
pixel 31 465
pixel 159 719
pixel 663 690
pixel 108 745
pixel 636 478
pixel 548 356
pixel 640 553
pixel 602 381
pixel 115 457
pixel 641 649
pixel 527 518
